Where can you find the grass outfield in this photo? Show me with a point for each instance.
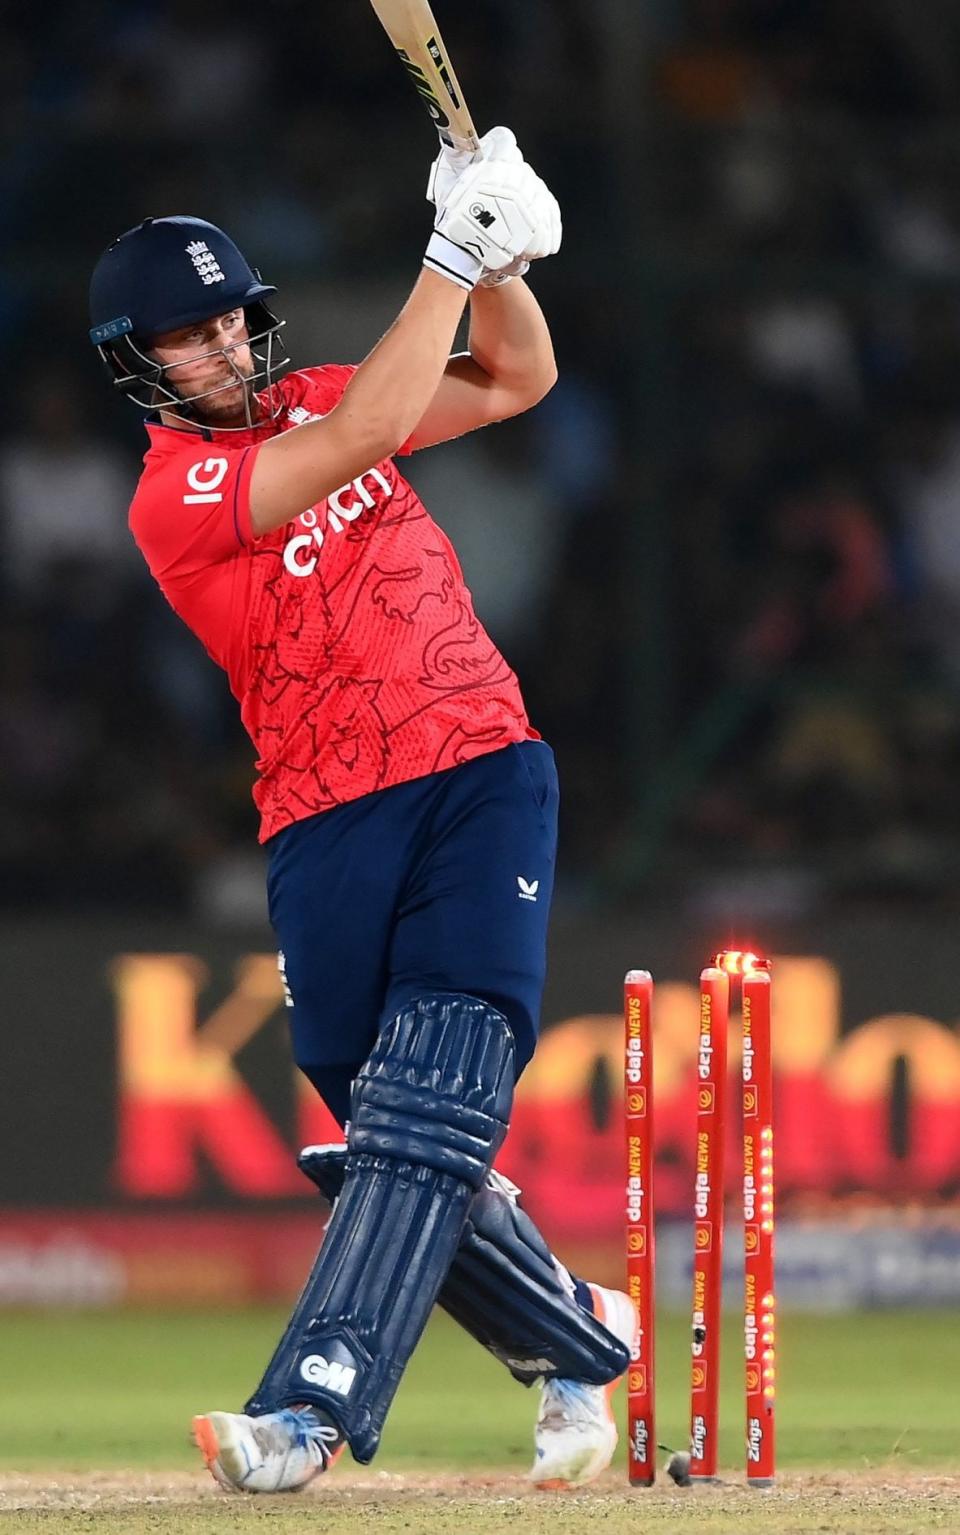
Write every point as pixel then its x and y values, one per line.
pixel 95 1410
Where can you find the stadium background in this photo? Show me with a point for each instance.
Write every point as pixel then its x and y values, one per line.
pixel 724 557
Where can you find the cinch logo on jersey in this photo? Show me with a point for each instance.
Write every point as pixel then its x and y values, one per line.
pixel 205 263
pixel 300 552
pixel 331 1375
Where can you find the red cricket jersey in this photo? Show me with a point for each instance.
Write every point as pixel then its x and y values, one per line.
pixel 348 635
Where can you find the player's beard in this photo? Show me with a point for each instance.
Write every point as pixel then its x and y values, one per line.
pixel 226 406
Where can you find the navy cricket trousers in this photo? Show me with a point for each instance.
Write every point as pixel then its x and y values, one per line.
pixel 440 884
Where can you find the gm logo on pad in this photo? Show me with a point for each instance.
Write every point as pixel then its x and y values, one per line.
pixel 330 1375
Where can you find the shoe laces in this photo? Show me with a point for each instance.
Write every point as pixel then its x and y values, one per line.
pixel 304 1427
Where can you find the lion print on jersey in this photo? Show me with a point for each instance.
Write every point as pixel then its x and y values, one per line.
pixel 285 658
pixel 339 749
pixel 461 655
pixel 355 759
pixel 398 594
pixel 401 594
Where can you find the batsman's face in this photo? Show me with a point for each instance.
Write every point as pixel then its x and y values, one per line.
pixel 211 358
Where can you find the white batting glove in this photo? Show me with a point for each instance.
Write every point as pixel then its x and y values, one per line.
pixel 498 144
pixel 545 241
pixel 495 214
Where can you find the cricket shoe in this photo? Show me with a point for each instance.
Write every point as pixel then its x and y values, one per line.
pixel 278 1452
pixel 576 1432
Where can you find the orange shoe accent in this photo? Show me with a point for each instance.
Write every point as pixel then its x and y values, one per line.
pixel 206 1441
pixel 600 1312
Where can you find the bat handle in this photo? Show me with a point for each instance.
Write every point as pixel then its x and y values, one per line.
pixel 463 143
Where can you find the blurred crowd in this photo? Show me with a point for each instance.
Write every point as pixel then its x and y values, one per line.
pixel 757 316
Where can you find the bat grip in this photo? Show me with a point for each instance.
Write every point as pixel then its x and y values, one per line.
pixel 463 143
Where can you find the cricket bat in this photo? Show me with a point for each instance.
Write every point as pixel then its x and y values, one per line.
pixel 411 28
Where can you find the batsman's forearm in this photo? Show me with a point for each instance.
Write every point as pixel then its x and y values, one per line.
pixel 380 407
pixel 394 384
pixel 510 339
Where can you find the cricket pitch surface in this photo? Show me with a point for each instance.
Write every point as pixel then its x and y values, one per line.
pixel 354 1500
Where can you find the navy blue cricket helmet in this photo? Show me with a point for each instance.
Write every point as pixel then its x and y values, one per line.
pixel 165 274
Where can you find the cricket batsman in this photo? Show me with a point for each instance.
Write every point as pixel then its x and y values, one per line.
pixel 407 806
